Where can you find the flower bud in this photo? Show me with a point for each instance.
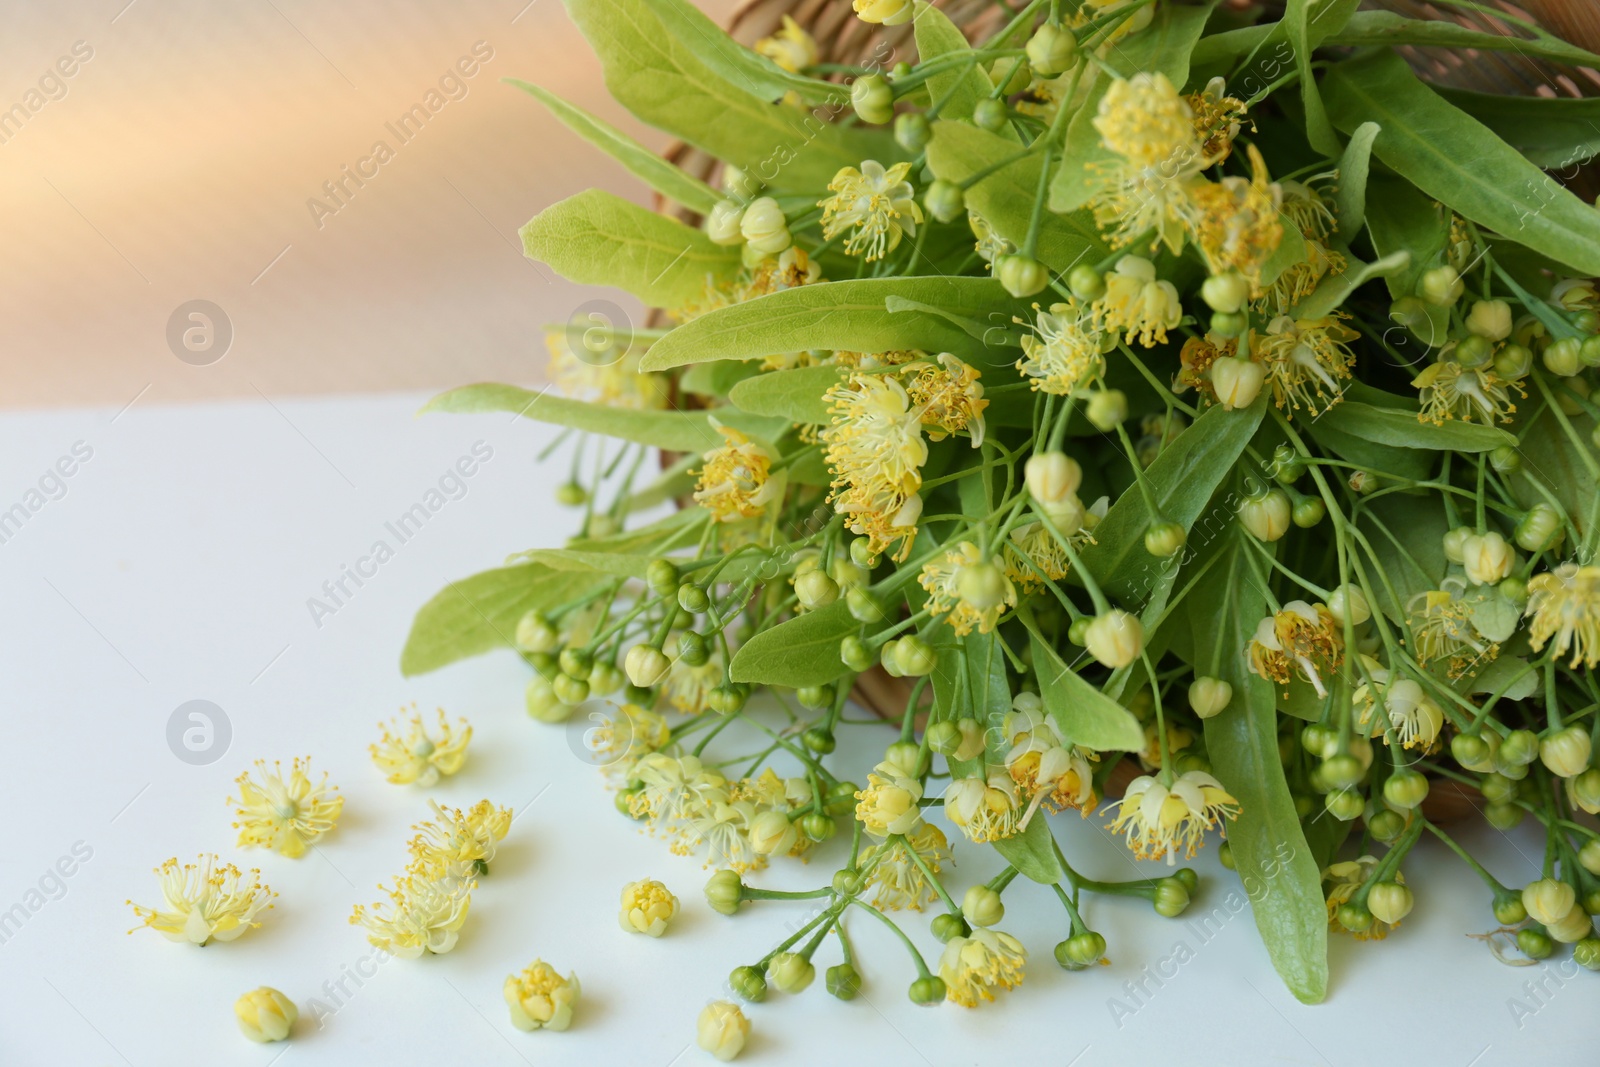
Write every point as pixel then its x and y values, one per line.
pixel 990 114
pixel 647 908
pixel 765 229
pixel 1052 477
pixel 1441 287
pixel 1487 558
pixel 1354 917
pixel 948 926
pixel 1454 542
pixel 927 991
pixel 971 746
pixel 646 665
pixel 1086 283
pixel 1348 602
pixel 1513 362
pixel 815 590
pixel 1548 900
pixel 1308 511
pixel 572 495
pixel 981 906
pixel 536 633
pixel 818 827
pixel 543 703
pixel 912 131
pixel 1589 856
pixel 1505 459
pixel 1266 515
pixel 1538 529
pixel 728 699
pixel 1228 323
pixel 864 607
pixel 1164 539
pixel 944 200
pixel 1052 50
pixel 749 983
pixel 1490 319
pixel 819 740
pixel 1386 825
pixel 1171 899
pixel 790 972
pixel 265 1015
pixel 1406 789
pixel 1237 381
pixel 1208 696
pixel 1503 817
pixel 724 891
pixel 540 998
pixel 1566 752
pixel 842 981
pixel 1424 323
pixel 722 223
pixel 1564 358
pixel 1080 951
pixel 1586 953
pixel 1589 351
pixel 1584 791
pixel 873 98
pixel 1107 409
pixel 722 1028
pixel 854 653
pixel 1225 292
pixel 1574 926
pixel 1344 804
pixel 1473 351
pixel 944 737
pixel 981 585
pixel 1115 639
pixel 1535 945
pixel 915 657
pixel 1518 749
pixel 1021 276
pixel 885 12
pixel 569 690
pixel 1390 902
pixel 662 574
pixel 693 598
pixel 692 649
pixel 771 833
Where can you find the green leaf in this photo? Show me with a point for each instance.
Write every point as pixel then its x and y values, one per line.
pixel 1182 479
pixel 1552 133
pixel 1400 219
pixel 716 379
pixel 675 431
pixel 1350 198
pixel 970 680
pixel 1336 287
pixel 1411 554
pixel 1291 250
pixel 596 238
pixel 1305 32
pixel 1505 672
pixel 800 652
pixel 1457 160
pixel 844 316
pixel 480 613
pixel 1081 712
pixel 1557 462
pixel 1386 29
pixel 642 163
pixel 1270 850
pixel 701 87
pixel 632 565
pixel 960 87
pixel 795 395
pixel 1400 429
pixel 1033 852
pixel 1005 198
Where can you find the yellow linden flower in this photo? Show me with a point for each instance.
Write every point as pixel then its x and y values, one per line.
pixel 948 397
pixel 1161 821
pixel 990 245
pixel 951 592
pixel 619 740
pixel 1299 640
pixel 602 368
pixel 1217 119
pixel 671 788
pixel 1145 121
pixel 791 48
pixel 899 883
pixel 647 907
pixel 889 803
pixel 1306 360
pixel 873 361
pixel 1031 543
pixel 878 204
pixel 407 754
pixel 1236 221
pixel 1450 391
pixel 540 999
pixel 686 687
pixel 1340 882
pixel 205 901
pixel 1308 208
pixel 1138 304
pixel 973 967
pixel 1565 605
pixel 1409 716
pixel 1441 629
pixel 1065 351
pixel 722 824
pixel 734 482
pixel 458 844
pixel 423 914
pixel 985 809
pixel 876 452
pixel 284 815
pixel 1052 773
pixel 1152 129
pixel 1300 279
pixel 884 12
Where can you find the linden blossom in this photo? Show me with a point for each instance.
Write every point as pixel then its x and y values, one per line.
pixel 452 86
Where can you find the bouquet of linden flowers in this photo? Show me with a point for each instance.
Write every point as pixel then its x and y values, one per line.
pixel 1162 413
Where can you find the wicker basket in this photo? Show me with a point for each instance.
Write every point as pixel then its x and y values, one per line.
pixel 843 39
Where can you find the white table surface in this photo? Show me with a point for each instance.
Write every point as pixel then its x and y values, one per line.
pixel 177 566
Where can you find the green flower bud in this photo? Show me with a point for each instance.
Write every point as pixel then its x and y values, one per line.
pixel 944 200
pixel 1021 276
pixel 725 891
pixel 638 694
pixel 790 972
pixel 912 131
pixel 815 590
pixel 864 607
pixel 841 798
pixel 1386 825
pixel 1164 539
pixel 990 114
pixel 1237 381
pixel 1441 286
pixel 1086 283
pixel 1390 902
pixel 847 882
pixel 1566 752
pixel 1513 362
pixel 1051 50
pixel 576 662
pixel 623 801
pixel 873 99
pixel 693 599
pixel 1225 292
pixel 1589 856
pixel 848 573
pixel 572 495
pixel 604 679
pixel 1344 804
pixel 1589 351
pixel 944 737
pixel 1078 631
pixel 1502 816
pixel 1535 944
pixel 1209 696
pixel 1303 804
pixel 915 657
pixel 1564 358
pixel 1497 788
pixel 981 906
pixel 908 756
pixel 1406 788
pixel 1509 910
pixel 1473 351
pixel 1225 855
pixel 1266 515
pixel 1348 602
pixel 842 981
pixel 1115 639
pixel 1354 917
pixel 1080 951
pixel 693 649
pixel 1469 749
pixel 542 702
pixel 1228 324
pixel 818 827
pixel 1308 511
pixel 662 574
pixel 727 699
pixel 1490 319
pixel 947 926
pixel 1518 748
pixel 1548 900
pixel 1505 459
pixel 1318 740
pixel 981 585
pixel 1171 898
pixel 1539 529
pixel 1515 590
pixel 819 740
pixel 569 690
pixel 1190 879
pixel 925 991
pixel 853 652
pixel 1342 772
pixel 536 633
pixel 815 696
pixel 749 983
pixel 1107 409
pixel 1455 541
pixel 1586 953
pixel 861 553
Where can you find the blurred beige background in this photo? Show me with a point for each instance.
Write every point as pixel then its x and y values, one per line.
pixel 177 160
